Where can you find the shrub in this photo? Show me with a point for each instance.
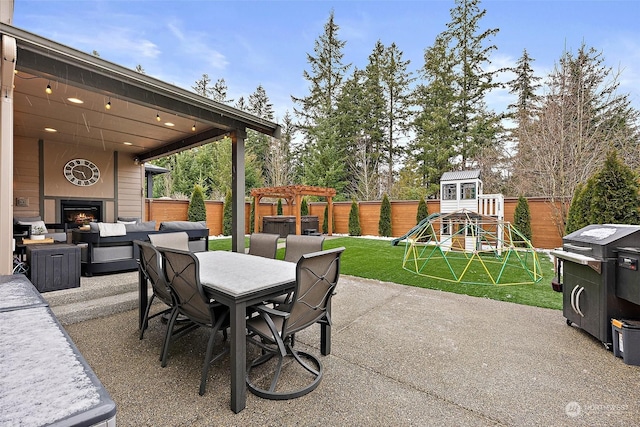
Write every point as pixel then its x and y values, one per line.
pixel 354 220
pixel 252 215
pixel 304 207
pixel 384 223
pixel 325 220
pixel 579 208
pixel 227 224
pixel 197 210
pixel 423 211
pixel 279 207
pixel 522 218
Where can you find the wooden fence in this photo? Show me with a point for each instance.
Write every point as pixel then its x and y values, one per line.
pixel 403 216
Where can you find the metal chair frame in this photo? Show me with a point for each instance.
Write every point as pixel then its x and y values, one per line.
pixel 182 274
pixel 273 330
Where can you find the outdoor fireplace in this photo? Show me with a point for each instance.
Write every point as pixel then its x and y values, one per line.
pixel 75 213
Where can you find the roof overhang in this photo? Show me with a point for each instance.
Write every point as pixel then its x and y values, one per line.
pixel 131 124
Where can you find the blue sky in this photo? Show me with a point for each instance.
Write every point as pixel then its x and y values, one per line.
pixel 251 43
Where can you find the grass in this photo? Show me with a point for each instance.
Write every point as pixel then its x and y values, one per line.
pixel 377 259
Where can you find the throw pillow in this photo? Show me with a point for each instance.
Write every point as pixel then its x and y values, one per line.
pixel 37 227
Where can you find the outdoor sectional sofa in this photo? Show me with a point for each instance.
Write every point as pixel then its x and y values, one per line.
pixel 103 253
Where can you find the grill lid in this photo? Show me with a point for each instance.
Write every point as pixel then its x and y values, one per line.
pixel 601 240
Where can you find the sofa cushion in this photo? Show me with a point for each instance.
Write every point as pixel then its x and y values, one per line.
pixel 37 227
pixel 141 226
pixel 129 219
pixel 17 220
pixel 182 225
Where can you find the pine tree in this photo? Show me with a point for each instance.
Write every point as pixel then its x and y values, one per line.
pixel 279 207
pixel 227 219
pixel 522 218
pixel 354 220
pixel 423 211
pixel 304 207
pixel 615 198
pixel 475 127
pixel 435 124
pixel 384 223
pixel 324 150
pixel 197 210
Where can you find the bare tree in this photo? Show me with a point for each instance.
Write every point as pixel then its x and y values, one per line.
pixel 579 118
pixel 366 184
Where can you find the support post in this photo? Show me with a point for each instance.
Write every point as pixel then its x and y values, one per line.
pixel 237 190
pixel 7 68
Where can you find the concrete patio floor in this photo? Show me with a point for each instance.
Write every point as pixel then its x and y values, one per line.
pixel 401 356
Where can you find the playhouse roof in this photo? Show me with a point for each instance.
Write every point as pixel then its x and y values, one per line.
pixel 458 175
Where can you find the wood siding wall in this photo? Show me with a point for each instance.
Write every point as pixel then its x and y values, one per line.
pixel 403 216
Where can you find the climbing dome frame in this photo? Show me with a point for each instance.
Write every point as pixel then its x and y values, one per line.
pixel 466 247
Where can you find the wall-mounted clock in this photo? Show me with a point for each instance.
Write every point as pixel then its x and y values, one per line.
pixel 81 172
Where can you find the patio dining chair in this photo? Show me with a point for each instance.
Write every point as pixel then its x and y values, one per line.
pixel 150 268
pixel 296 246
pixel 182 271
pixel 273 329
pixel 178 240
pixel 263 244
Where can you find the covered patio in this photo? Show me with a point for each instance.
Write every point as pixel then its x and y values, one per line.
pixel 60 104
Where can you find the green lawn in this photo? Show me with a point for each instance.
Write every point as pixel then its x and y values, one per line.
pixel 377 259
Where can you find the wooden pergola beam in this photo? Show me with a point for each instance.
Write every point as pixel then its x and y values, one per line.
pixel 291 193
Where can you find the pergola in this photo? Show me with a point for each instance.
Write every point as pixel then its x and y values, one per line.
pixel 294 193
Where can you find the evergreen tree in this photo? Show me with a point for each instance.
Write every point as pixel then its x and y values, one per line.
pixel 522 218
pixel 384 223
pixel 324 151
pixel 354 220
pixel 475 127
pixel 304 207
pixel 252 216
pixel 227 225
pixel 325 220
pixel 423 212
pixel 219 92
pixel 395 81
pixel 579 208
pixel 434 146
pixel 197 210
pixel 615 198
pixel 279 207
pixel 201 86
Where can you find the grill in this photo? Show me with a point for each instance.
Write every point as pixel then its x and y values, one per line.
pixel 598 269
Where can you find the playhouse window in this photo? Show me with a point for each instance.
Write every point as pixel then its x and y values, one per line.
pixel 468 190
pixel 449 192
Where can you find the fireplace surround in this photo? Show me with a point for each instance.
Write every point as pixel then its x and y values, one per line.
pixel 76 212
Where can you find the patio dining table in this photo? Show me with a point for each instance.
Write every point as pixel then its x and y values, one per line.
pixel 238 281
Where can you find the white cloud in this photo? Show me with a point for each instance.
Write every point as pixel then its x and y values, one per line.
pixel 198 47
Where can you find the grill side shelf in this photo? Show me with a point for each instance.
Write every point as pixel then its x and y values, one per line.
pixel 595 264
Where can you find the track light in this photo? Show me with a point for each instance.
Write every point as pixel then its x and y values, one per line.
pixel 158 116
pixel 48 89
pixel 108 104
pixel 193 128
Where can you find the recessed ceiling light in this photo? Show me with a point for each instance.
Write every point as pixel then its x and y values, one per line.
pixel 127 143
pixel 169 124
pixel 51 130
pixel 75 100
